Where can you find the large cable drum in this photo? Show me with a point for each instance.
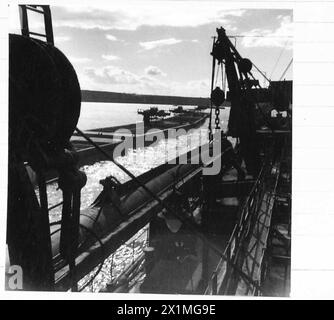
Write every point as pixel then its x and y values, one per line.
pixel 44 99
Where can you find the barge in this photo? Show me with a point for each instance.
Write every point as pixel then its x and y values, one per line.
pixel 109 137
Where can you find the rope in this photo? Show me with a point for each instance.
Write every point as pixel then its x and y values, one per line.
pixel 258 36
pixel 279 57
pixel 286 69
pixel 224 78
pixel 217 73
pixel 262 73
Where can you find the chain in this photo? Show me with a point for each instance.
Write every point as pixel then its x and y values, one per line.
pixel 217 119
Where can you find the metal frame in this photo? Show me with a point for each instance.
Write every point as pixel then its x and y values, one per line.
pixel 41 9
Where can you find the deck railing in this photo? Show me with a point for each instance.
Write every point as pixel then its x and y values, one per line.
pixel 223 279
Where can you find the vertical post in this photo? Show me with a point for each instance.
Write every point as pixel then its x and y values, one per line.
pixel 71 181
pixel 48 24
pixel 24 20
pixel 28 230
pixel 45 230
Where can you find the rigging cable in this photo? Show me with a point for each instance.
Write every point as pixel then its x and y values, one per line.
pixel 286 69
pixel 261 72
pixel 212 80
pixel 217 73
pixel 258 36
pixel 224 78
pixel 279 57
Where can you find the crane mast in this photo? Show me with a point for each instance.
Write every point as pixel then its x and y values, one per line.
pixel 240 81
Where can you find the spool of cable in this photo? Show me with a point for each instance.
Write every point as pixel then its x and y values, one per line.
pixel 44 99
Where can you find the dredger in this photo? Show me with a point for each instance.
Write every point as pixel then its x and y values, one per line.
pixel 209 234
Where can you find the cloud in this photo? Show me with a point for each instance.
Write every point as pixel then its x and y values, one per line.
pixel 112 75
pixel 193 88
pixel 58 39
pixel 112 78
pixel 154 71
pixel 281 37
pixel 110 57
pixel 129 15
pixel 148 45
pixel 111 37
pixel 79 60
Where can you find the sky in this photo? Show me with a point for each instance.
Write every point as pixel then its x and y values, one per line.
pixel 163 47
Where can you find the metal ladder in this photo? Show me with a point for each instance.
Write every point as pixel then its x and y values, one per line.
pixel 41 9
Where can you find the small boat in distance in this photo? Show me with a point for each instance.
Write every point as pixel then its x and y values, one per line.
pixel 178 109
pixel 152 114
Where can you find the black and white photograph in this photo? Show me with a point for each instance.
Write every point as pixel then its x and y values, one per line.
pixel 150 148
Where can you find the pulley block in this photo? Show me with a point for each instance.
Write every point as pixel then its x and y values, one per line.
pixel 245 65
pixel 217 97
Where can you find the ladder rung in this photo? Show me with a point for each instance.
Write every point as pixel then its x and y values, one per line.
pixel 34 9
pixel 37 34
